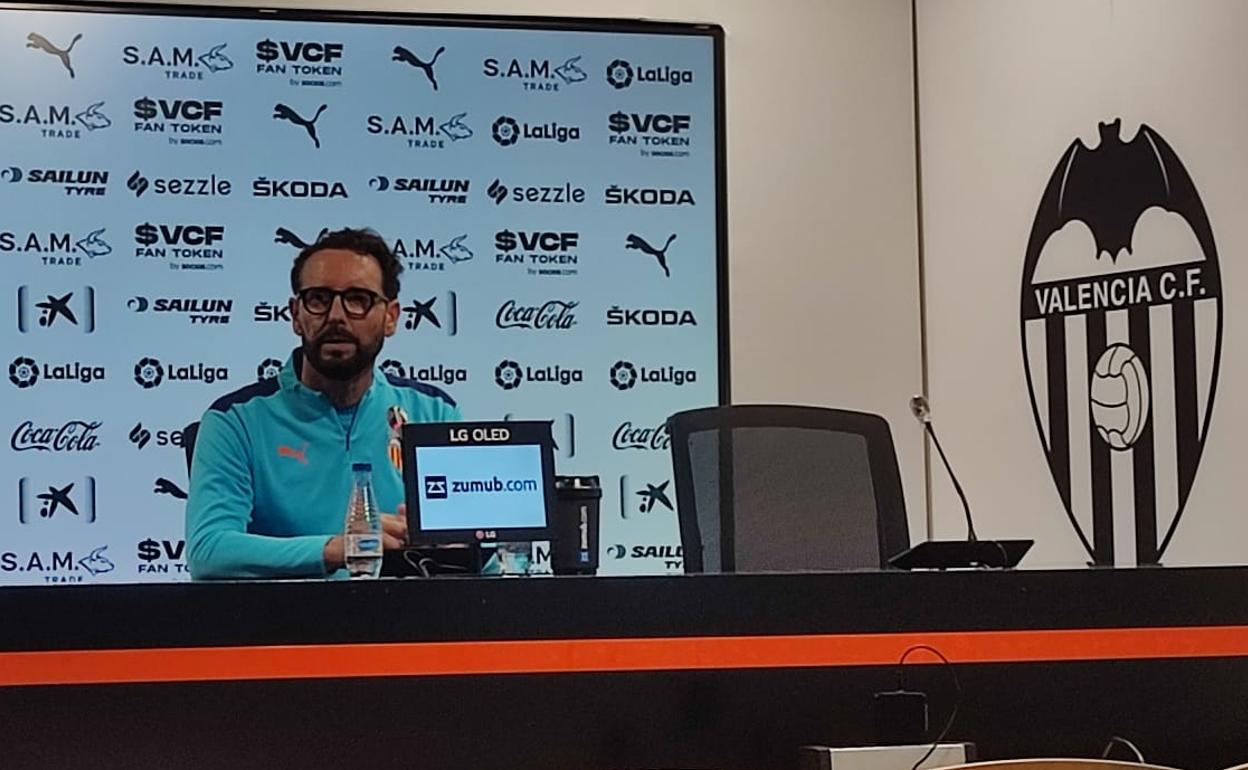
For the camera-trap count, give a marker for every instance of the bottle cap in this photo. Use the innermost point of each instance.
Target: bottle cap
(357, 467)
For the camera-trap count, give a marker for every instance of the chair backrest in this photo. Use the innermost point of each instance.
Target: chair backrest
(774, 488)
(188, 444)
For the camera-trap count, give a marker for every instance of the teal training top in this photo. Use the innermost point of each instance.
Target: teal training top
(272, 470)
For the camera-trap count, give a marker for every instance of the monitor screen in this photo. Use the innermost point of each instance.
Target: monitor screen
(481, 487)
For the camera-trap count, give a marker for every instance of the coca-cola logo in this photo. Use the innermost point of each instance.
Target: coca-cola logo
(73, 436)
(628, 437)
(553, 314)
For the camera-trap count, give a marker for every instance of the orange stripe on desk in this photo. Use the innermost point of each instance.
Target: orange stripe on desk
(565, 656)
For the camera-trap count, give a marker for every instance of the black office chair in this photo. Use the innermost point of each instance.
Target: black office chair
(783, 488)
(188, 444)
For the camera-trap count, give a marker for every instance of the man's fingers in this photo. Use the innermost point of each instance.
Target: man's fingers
(394, 525)
(390, 542)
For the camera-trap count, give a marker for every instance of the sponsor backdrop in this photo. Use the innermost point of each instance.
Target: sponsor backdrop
(551, 193)
(1083, 235)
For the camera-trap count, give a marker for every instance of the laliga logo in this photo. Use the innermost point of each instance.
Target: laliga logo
(506, 131)
(623, 375)
(1121, 328)
(149, 373)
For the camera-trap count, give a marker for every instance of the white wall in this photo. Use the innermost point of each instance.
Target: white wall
(1004, 88)
(821, 190)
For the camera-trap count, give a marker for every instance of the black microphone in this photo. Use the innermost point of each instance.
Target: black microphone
(922, 412)
(955, 554)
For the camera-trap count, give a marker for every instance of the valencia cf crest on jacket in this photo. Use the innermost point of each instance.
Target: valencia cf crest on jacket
(1121, 329)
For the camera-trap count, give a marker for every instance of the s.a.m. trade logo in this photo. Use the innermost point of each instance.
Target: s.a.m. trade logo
(1122, 334)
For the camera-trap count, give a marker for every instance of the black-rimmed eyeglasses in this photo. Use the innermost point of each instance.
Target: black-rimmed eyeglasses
(356, 303)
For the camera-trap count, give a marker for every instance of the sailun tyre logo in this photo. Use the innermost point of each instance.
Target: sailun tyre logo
(1121, 330)
(149, 373)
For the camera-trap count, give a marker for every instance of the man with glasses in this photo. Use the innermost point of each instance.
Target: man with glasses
(272, 464)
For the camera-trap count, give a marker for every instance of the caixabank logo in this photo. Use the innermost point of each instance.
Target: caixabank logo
(74, 182)
(436, 314)
(1121, 326)
(66, 310)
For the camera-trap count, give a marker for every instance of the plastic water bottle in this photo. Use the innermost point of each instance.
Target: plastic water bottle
(362, 543)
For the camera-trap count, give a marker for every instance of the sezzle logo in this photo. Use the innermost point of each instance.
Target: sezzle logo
(314, 61)
(56, 248)
(625, 375)
(161, 557)
(297, 188)
(75, 182)
(25, 372)
(191, 247)
(208, 186)
(507, 131)
(419, 312)
(552, 315)
(59, 498)
(421, 132)
(284, 112)
(536, 74)
(425, 254)
(647, 196)
(441, 373)
(1121, 323)
(41, 43)
(55, 121)
(150, 373)
(198, 311)
(72, 436)
(401, 54)
(658, 135)
(57, 311)
(542, 252)
(618, 316)
(622, 74)
(444, 191)
(627, 437)
(549, 195)
(180, 116)
(141, 437)
(509, 375)
(266, 312)
(58, 566)
(268, 369)
(179, 63)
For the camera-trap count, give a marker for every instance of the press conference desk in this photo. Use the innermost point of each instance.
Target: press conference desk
(692, 671)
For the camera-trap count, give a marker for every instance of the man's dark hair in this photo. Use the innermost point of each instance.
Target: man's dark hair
(361, 241)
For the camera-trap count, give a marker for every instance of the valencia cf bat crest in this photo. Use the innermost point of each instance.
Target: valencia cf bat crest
(1121, 329)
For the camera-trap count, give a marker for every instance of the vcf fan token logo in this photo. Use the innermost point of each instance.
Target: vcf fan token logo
(1121, 328)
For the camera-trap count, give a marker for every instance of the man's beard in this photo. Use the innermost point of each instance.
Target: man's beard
(339, 368)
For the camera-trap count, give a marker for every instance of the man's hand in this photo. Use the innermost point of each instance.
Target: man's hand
(393, 537)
